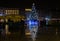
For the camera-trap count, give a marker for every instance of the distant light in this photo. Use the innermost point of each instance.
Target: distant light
(1, 14)
(28, 9)
(47, 18)
(33, 4)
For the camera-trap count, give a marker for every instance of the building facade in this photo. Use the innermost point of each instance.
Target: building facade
(11, 13)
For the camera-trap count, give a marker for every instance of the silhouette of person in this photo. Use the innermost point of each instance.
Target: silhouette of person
(10, 25)
(22, 28)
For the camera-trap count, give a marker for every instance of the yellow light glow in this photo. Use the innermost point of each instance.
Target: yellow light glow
(12, 11)
(28, 33)
(28, 9)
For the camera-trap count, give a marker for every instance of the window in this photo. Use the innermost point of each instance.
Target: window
(12, 11)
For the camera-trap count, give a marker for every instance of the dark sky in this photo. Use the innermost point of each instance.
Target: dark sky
(28, 3)
(45, 6)
(40, 4)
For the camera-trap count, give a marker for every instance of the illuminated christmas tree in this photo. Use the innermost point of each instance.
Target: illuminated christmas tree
(33, 22)
(33, 14)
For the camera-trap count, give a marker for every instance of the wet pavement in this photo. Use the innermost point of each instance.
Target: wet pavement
(41, 36)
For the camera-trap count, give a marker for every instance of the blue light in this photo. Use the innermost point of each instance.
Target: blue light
(33, 22)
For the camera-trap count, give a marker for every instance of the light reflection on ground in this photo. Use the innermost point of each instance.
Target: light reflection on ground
(41, 36)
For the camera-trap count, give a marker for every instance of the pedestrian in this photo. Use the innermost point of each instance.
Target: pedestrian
(22, 23)
(10, 24)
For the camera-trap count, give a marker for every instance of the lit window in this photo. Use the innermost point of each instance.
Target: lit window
(12, 11)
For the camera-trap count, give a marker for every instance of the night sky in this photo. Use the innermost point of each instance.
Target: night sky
(45, 6)
(28, 3)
